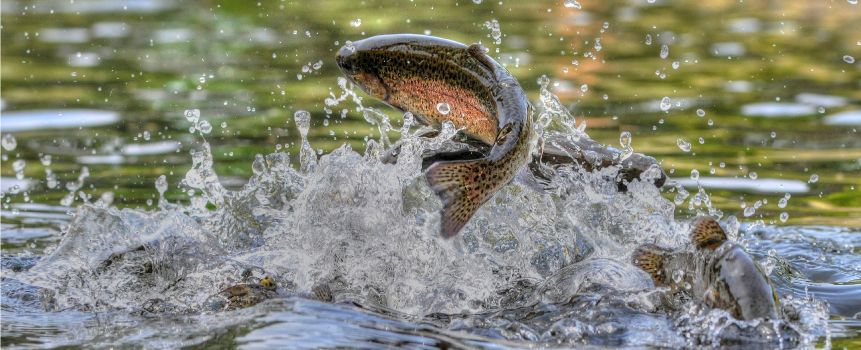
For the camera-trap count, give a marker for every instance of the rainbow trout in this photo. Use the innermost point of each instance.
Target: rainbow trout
(719, 273)
(440, 80)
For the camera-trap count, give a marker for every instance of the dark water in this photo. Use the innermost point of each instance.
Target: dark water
(762, 99)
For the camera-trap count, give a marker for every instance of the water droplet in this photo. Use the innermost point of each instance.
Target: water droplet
(259, 165)
(813, 179)
(665, 51)
(224, 125)
(701, 113)
(573, 4)
(625, 141)
(665, 104)
(356, 23)
(678, 275)
(584, 88)
(781, 203)
(476, 1)
(752, 175)
(147, 135)
(204, 126)
(784, 216)
(45, 159)
(495, 31)
(303, 122)
(443, 108)
(773, 134)
(161, 185)
(683, 144)
(695, 174)
(749, 211)
(9, 143)
(192, 115)
(648, 39)
(848, 59)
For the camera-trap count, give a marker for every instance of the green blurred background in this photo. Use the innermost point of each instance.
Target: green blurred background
(762, 90)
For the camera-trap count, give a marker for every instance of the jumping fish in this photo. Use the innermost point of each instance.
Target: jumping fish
(441, 80)
(718, 272)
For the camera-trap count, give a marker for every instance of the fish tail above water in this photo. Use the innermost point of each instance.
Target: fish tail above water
(651, 258)
(463, 186)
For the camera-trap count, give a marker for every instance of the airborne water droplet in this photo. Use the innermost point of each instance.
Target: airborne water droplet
(683, 144)
(204, 126)
(784, 216)
(625, 142)
(695, 174)
(303, 122)
(9, 142)
(192, 115)
(665, 104)
(665, 51)
(443, 108)
(572, 4)
(848, 59)
(813, 179)
(701, 113)
(161, 185)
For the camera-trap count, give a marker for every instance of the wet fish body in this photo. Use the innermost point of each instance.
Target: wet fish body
(441, 80)
(718, 272)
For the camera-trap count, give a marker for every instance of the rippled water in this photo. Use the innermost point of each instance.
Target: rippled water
(155, 154)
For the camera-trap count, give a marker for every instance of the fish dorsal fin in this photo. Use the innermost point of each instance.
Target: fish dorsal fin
(477, 52)
(707, 233)
(651, 258)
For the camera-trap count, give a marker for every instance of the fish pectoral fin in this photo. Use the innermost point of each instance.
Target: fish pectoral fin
(462, 186)
(651, 258)
(707, 233)
(464, 154)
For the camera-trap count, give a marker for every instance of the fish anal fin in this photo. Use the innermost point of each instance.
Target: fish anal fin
(461, 188)
(707, 233)
(651, 258)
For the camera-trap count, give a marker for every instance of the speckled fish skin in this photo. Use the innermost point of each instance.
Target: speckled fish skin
(416, 73)
(719, 272)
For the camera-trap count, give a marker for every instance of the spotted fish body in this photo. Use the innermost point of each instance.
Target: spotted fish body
(719, 272)
(441, 80)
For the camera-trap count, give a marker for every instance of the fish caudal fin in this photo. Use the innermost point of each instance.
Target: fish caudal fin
(707, 233)
(650, 258)
(463, 187)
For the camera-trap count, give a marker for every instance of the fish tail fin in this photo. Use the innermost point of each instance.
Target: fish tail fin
(462, 186)
(707, 233)
(650, 258)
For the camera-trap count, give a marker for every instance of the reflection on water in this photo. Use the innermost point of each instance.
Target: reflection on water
(94, 91)
(45, 119)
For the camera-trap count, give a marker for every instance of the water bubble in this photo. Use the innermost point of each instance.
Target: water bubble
(784, 216)
(204, 126)
(303, 122)
(701, 113)
(584, 88)
(848, 59)
(676, 64)
(752, 175)
(625, 142)
(192, 115)
(443, 108)
(683, 144)
(813, 179)
(147, 135)
(356, 23)
(9, 143)
(695, 174)
(701, 140)
(665, 51)
(749, 211)
(773, 134)
(665, 104)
